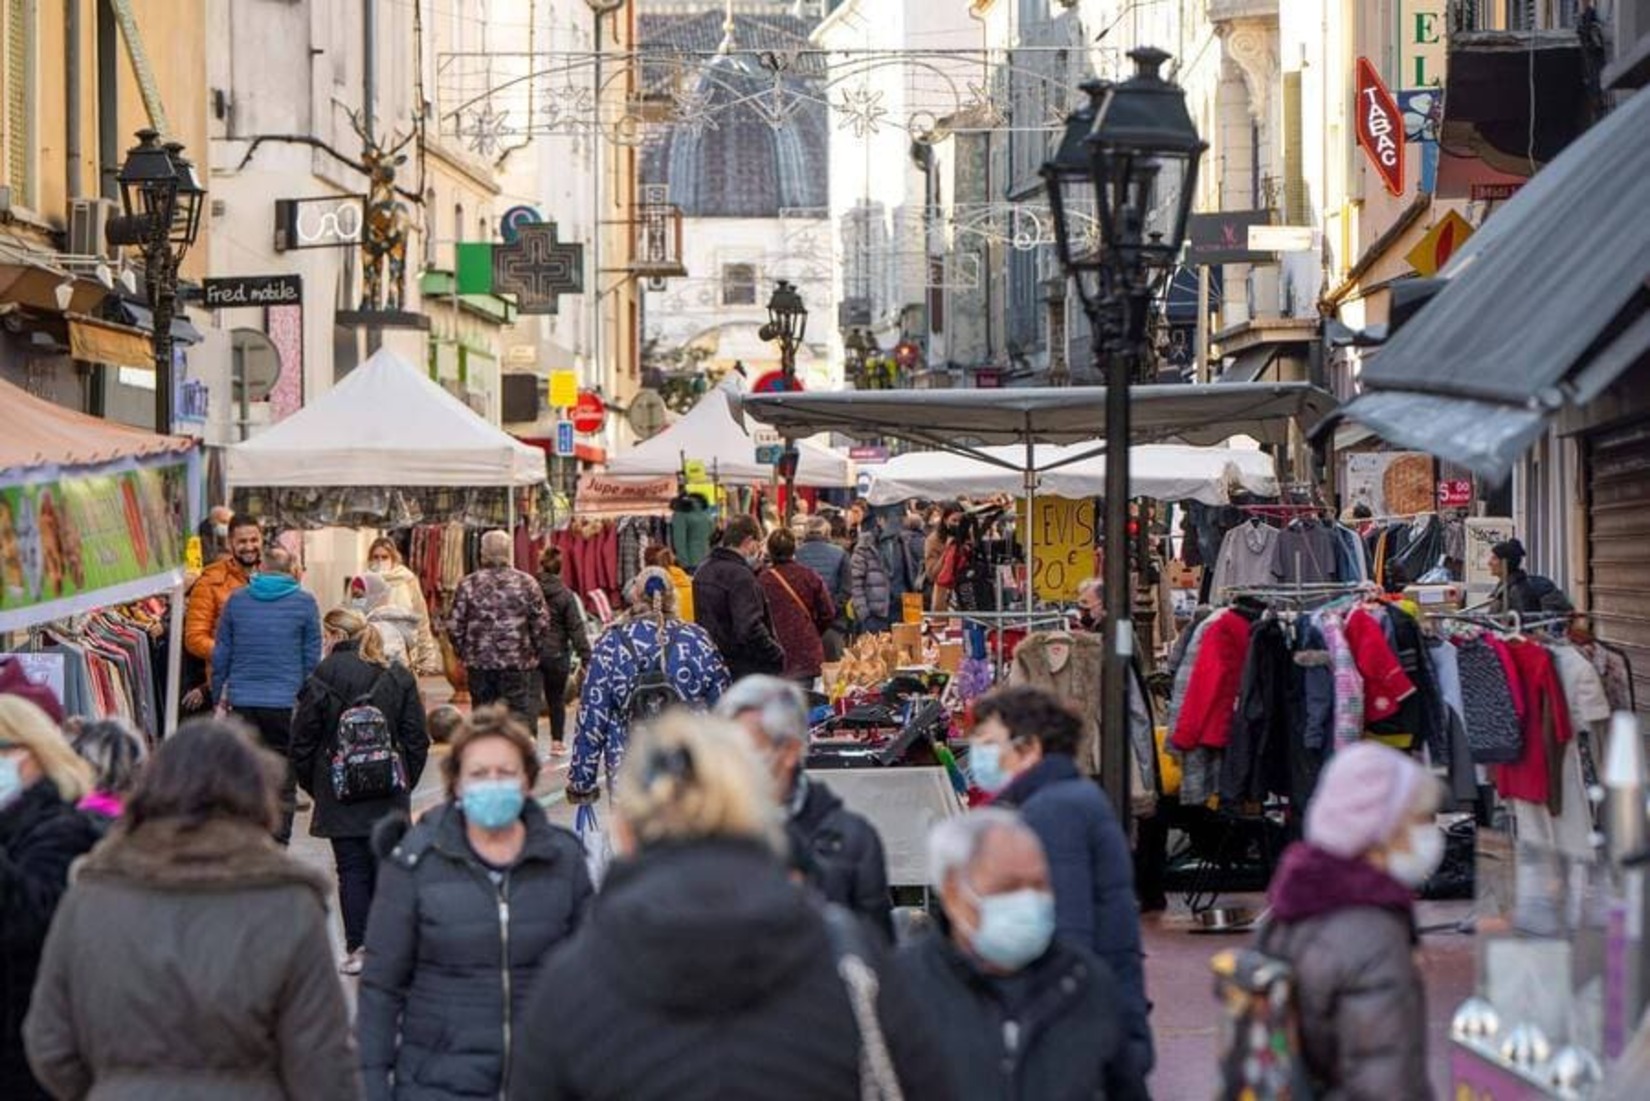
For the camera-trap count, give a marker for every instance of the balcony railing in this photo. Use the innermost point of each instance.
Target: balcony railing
(1513, 15)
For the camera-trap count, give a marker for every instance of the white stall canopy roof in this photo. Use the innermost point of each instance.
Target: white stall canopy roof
(967, 419)
(1167, 472)
(385, 424)
(710, 433)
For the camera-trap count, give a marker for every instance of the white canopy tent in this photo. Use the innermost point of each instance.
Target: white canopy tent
(710, 433)
(385, 424)
(1165, 471)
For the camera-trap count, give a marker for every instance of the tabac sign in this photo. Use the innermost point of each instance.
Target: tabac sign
(1380, 127)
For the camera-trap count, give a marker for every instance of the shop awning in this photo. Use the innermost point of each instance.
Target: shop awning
(183, 330)
(952, 420)
(1541, 309)
(41, 433)
(104, 342)
(1165, 471)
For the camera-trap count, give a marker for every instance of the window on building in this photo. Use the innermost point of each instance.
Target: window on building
(18, 29)
(738, 284)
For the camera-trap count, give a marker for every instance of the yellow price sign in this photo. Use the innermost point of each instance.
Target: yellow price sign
(564, 389)
(1061, 538)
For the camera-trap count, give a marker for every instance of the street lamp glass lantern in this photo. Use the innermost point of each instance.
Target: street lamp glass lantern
(191, 196)
(1144, 154)
(1072, 199)
(148, 179)
(787, 316)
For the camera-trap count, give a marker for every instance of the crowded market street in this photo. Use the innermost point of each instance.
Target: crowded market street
(849, 550)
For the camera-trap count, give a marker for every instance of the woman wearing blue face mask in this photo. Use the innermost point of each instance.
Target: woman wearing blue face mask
(469, 900)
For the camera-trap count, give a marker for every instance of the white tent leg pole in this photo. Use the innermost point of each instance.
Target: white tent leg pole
(1031, 528)
(174, 660)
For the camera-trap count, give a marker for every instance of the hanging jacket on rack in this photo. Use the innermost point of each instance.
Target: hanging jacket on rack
(1266, 750)
(1386, 685)
(1205, 718)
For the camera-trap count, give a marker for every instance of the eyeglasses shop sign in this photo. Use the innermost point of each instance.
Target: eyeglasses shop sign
(253, 290)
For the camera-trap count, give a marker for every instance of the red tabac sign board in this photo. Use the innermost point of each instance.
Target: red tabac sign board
(1380, 127)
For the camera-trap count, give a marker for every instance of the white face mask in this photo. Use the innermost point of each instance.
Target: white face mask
(1426, 852)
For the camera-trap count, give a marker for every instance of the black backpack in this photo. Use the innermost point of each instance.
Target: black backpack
(365, 764)
(654, 692)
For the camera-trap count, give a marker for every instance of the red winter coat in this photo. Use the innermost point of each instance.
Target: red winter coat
(800, 613)
(1211, 696)
(1386, 685)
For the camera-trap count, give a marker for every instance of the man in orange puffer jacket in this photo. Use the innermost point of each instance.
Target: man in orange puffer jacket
(215, 585)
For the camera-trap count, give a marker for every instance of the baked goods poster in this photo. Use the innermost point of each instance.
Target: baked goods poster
(90, 531)
(1391, 483)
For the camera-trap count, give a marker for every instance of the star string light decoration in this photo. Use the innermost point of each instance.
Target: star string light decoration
(486, 130)
(693, 109)
(979, 107)
(862, 110)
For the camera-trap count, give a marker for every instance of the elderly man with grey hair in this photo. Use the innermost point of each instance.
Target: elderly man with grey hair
(840, 850)
(499, 624)
(1025, 1016)
(267, 644)
(820, 554)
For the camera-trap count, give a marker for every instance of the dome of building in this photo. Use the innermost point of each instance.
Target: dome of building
(750, 145)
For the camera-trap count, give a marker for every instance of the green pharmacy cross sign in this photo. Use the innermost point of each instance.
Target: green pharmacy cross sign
(536, 268)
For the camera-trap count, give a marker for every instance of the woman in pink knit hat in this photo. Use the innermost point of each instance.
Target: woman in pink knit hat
(1342, 913)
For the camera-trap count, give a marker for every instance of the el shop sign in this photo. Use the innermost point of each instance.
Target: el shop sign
(1380, 127)
(253, 290)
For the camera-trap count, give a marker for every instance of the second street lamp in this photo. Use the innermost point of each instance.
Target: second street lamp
(161, 195)
(787, 322)
(1141, 174)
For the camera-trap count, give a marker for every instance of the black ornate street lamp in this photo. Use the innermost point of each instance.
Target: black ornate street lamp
(1120, 188)
(162, 198)
(787, 321)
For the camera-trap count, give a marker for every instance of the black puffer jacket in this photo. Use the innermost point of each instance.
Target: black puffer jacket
(439, 1007)
(567, 634)
(40, 836)
(1067, 1043)
(703, 974)
(729, 604)
(846, 855)
(337, 683)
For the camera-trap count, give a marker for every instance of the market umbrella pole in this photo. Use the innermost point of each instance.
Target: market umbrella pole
(1029, 538)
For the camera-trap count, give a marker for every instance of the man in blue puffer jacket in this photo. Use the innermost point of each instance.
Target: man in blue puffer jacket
(268, 643)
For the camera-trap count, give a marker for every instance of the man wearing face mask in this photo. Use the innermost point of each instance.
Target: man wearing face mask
(1026, 1016)
(1091, 604)
(842, 848)
(217, 583)
(1343, 915)
(1022, 751)
(729, 604)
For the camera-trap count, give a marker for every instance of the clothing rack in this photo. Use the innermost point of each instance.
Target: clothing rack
(1283, 512)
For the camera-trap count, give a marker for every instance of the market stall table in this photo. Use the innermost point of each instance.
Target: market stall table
(903, 803)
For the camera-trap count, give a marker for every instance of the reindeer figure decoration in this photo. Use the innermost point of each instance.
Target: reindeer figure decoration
(386, 222)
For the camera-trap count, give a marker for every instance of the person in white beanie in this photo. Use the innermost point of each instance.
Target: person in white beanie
(1342, 914)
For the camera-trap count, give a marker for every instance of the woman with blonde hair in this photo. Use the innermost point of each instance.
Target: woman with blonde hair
(41, 834)
(406, 596)
(702, 970)
(381, 698)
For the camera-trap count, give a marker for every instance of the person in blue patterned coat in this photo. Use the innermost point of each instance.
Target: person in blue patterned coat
(623, 652)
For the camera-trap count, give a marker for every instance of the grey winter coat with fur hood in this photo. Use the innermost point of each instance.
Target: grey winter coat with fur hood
(187, 965)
